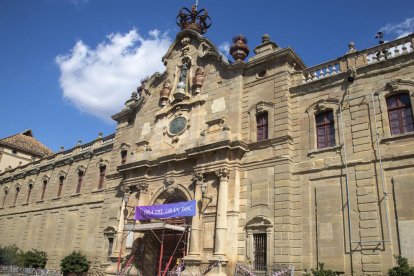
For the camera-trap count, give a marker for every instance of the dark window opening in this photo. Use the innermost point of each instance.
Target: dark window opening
(61, 179)
(110, 245)
(325, 129)
(29, 192)
(4, 199)
(260, 249)
(400, 114)
(123, 156)
(16, 196)
(102, 171)
(43, 190)
(262, 126)
(80, 179)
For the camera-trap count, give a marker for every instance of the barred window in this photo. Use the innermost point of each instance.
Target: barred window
(325, 129)
(260, 249)
(400, 114)
(262, 126)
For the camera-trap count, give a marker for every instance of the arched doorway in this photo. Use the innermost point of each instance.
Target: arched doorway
(155, 257)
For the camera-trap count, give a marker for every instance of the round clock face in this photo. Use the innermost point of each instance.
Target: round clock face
(177, 126)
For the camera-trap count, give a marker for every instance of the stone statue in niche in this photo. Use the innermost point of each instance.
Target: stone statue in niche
(198, 79)
(165, 93)
(182, 82)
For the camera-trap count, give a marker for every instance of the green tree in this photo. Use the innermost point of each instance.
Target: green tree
(34, 258)
(10, 255)
(402, 269)
(320, 271)
(74, 262)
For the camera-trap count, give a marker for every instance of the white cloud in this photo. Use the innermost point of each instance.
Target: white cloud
(401, 29)
(224, 47)
(98, 81)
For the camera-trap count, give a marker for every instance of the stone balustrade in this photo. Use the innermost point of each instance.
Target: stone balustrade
(390, 49)
(321, 71)
(364, 57)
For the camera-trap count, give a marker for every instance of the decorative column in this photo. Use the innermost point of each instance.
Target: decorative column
(221, 222)
(119, 246)
(193, 260)
(219, 254)
(196, 220)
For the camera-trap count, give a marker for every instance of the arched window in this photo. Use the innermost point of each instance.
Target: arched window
(80, 179)
(124, 154)
(262, 126)
(61, 179)
(16, 195)
(400, 114)
(43, 189)
(4, 198)
(102, 171)
(29, 191)
(325, 129)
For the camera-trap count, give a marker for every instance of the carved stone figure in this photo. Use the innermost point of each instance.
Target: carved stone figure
(198, 79)
(165, 93)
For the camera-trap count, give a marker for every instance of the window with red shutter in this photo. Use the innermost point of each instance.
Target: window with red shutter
(262, 126)
(400, 114)
(325, 129)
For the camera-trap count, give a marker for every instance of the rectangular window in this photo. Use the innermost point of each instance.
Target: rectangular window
(102, 171)
(400, 114)
(262, 126)
(325, 129)
(260, 249)
(80, 178)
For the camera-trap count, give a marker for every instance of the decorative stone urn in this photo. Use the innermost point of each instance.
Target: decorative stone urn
(198, 79)
(239, 50)
(165, 93)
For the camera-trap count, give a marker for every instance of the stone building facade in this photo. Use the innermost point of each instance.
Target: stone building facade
(289, 165)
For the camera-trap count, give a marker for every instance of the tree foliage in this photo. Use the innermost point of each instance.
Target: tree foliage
(10, 255)
(321, 271)
(34, 258)
(402, 268)
(74, 262)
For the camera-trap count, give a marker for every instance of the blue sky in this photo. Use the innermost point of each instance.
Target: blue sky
(66, 65)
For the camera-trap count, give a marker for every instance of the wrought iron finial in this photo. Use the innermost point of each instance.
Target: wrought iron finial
(194, 19)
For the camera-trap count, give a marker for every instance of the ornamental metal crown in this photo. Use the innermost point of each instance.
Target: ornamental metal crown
(194, 19)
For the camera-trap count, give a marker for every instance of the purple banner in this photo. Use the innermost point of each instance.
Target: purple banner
(172, 210)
